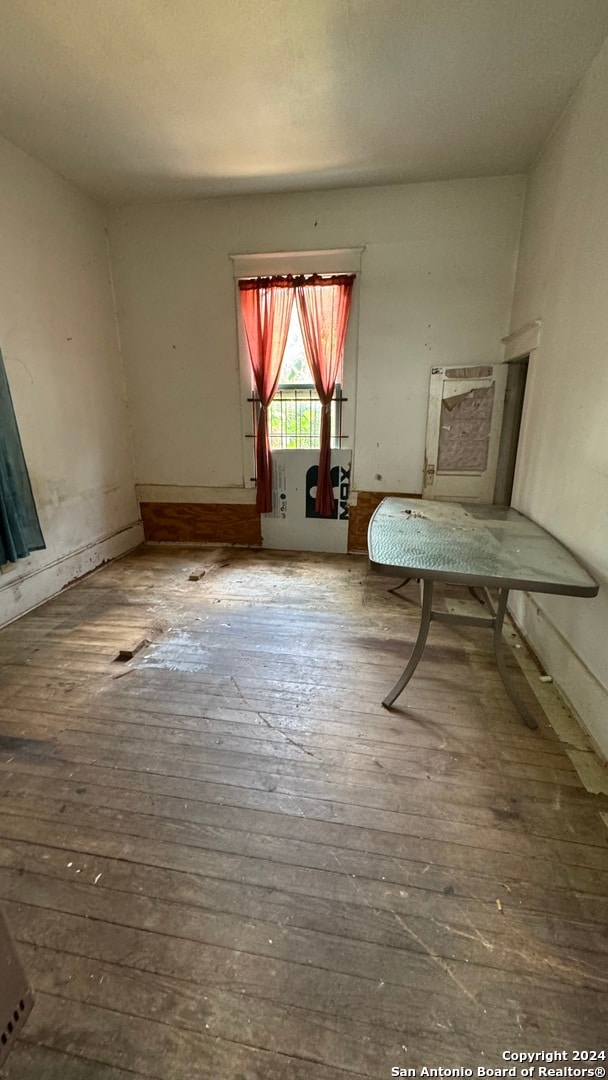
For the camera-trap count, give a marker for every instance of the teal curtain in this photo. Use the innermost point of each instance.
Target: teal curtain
(20, 530)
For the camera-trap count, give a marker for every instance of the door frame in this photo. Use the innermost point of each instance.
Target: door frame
(519, 344)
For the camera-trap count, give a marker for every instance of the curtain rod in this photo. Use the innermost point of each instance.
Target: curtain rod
(296, 254)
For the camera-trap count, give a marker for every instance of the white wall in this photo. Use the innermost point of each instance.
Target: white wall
(436, 286)
(562, 474)
(58, 337)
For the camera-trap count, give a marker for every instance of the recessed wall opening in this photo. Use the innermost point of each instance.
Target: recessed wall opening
(511, 425)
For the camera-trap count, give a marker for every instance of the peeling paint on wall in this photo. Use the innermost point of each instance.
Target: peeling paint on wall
(466, 423)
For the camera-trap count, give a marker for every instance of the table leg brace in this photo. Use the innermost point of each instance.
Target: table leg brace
(495, 624)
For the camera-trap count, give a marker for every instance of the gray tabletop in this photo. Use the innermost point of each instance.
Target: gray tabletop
(469, 544)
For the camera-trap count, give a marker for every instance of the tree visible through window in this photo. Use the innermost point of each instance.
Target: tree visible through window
(294, 416)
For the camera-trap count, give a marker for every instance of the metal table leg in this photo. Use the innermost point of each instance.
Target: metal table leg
(477, 594)
(425, 622)
(503, 596)
(494, 623)
(395, 588)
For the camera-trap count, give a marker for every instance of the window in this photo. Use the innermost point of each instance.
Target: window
(294, 416)
(296, 380)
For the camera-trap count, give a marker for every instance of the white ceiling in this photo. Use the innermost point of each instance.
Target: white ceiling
(133, 99)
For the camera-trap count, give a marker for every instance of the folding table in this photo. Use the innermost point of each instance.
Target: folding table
(482, 547)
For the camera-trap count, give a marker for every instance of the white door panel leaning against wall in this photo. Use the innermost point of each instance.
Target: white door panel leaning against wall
(463, 432)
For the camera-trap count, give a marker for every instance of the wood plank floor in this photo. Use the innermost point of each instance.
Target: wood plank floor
(224, 859)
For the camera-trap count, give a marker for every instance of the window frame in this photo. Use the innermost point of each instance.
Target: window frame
(329, 261)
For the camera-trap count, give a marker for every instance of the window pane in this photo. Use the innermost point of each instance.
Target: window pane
(294, 420)
(294, 417)
(295, 370)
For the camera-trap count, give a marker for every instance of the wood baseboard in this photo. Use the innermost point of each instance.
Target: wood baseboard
(359, 515)
(239, 523)
(190, 523)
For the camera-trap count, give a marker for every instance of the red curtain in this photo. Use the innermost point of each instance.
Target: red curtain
(266, 305)
(324, 307)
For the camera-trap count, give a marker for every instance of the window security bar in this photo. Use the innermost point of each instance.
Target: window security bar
(294, 419)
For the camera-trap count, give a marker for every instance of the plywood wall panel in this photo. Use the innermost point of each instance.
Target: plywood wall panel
(221, 523)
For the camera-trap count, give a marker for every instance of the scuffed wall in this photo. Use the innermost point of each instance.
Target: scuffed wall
(562, 470)
(59, 341)
(435, 288)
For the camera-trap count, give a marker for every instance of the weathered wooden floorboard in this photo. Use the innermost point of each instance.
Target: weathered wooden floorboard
(291, 755)
(399, 731)
(243, 1018)
(29, 1061)
(406, 863)
(406, 1010)
(464, 930)
(505, 812)
(156, 1049)
(224, 858)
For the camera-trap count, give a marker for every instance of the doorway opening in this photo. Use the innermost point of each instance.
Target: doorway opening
(511, 424)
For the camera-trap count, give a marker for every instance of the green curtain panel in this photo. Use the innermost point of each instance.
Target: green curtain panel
(20, 530)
